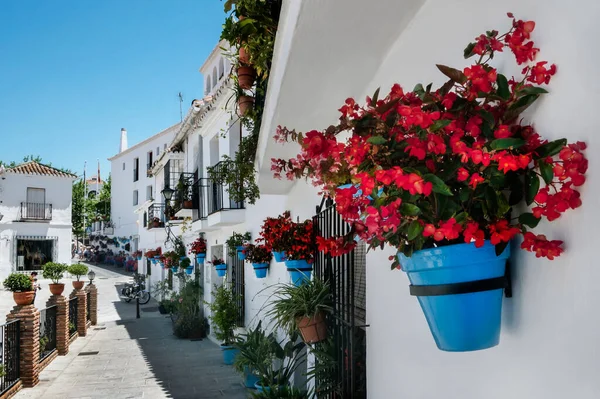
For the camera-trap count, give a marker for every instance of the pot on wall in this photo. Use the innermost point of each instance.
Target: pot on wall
(240, 252)
(221, 269)
(200, 258)
(189, 270)
(312, 329)
(300, 271)
(78, 285)
(460, 289)
(246, 77)
(245, 105)
(56, 289)
(188, 204)
(24, 297)
(243, 55)
(260, 269)
(279, 256)
(155, 224)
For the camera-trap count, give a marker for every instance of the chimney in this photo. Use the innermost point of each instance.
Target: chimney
(123, 145)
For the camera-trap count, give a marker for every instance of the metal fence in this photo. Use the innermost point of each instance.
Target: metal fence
(47, 331)
(10, 354)
(344, 370)
(237, 283)
(88, 306)
(36, 211)
(73, 316)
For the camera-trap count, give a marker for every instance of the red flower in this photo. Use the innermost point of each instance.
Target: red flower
(481, 79)
(502, 132)
(416, 148)
(473, 126)
(502, 232)
(541, 246)
(475, 180)
(349, 108)
(463, 174)
(539, 74)
(316, 144)
(474, 233)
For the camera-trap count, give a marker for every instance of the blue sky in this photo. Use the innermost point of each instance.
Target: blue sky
(74, 72)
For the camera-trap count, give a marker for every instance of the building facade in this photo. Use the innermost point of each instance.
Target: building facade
(35, 226)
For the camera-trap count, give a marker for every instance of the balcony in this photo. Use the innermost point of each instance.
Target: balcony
(156, 216)
(183, 196)
(213, 206)
(31, 211)
(103, 228)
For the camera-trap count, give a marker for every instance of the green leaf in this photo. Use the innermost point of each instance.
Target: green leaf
(419, 90)
(452, 73)
(414, 230)
(529, 220)
(546, 171)
(550, 149)
(438, 184)
(437, 125)
(377, 140)
(461, 217)
(533, 90)
(524, 101)
(532, 183)
(487, 116)
(503, 144)
(375, 96)
(468, 52)
(408, 209)
(503, 90)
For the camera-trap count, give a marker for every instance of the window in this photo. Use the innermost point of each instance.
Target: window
(148, 193)
(135, 197)
(221, 68)
(165, 147)
(157, 151)
(123, 165)
(149, 160)
(207, 86)
(145, 220)
(136, 169)
(215, 77)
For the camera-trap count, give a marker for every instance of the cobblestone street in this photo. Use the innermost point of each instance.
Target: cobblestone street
(125, 357)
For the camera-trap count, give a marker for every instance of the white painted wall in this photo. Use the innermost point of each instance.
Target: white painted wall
(13, 191)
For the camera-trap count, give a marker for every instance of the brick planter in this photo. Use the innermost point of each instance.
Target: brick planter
(29, 324)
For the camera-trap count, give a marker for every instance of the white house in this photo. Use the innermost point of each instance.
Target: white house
(35, 221)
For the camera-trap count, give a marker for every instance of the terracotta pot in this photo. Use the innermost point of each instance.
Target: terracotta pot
(244, 56)
(155, 224)
(313, 329)
(23, 298)
(188, 204)
(246, 77)
(78, 284)
(245, 105)
(56, 289)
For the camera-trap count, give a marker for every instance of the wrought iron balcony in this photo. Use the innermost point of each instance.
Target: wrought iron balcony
(36, 211)
(182, 198)
(156, 216)
(210, 197)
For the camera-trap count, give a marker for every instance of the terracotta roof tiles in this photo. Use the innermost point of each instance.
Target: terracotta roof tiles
(35, 168)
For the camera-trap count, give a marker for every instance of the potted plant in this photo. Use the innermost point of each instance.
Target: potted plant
(275, 234)
(171, 259)
(275, 376)
(161, 290)
(260, 257)
(280, 392)
(137, 254)
(246, 76)
(256, 352)
(303, 307)
(21, 287)
(157, 254)
(78, 270)
(54, 271)
(198, 248)
(461, 174)
(186, 264)
(224, 316)
(235, 244)
(220, 266)
(299, 250)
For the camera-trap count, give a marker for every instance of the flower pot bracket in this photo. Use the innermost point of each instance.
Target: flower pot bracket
(504, 282)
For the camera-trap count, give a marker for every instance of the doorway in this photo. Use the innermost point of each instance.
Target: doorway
(32, 254)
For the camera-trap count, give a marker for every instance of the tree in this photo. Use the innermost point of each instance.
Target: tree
(77, 208)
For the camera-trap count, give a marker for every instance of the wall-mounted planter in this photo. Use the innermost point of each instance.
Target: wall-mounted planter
(260, 269)
(460, 289)
(279, 256)
(200, 258)
(300, 271)
(189, 270)
(174, 269)
(312, 329)
(240, 252)
(139, 257)
(246, 77)
(221, 269)
(155, 260)
(229, 354)
(245, 105)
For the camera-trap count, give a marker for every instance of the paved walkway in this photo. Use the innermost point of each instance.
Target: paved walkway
(124, 357)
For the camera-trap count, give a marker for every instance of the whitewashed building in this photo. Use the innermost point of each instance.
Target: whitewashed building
(35, 217)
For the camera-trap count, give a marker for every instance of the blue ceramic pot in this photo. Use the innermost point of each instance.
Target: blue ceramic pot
(249, 378)
(189, 269)
(260, 388)
(174, 269)
(241, 255)
(200, 258)
(139, 257)
(221, 269)
(300, 271)
(279, 256)
(229, 354)
(155, 259)
(260, 269)
(466, 321)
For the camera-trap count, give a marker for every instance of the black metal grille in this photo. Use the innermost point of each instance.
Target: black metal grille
(156, 215)
(88, 305)
(237, 283)
(217, 193)
(47, 331)
(346, 375)
(184, 191)
(10, 348)
(73, 316)
(35, 211)
(199, 199)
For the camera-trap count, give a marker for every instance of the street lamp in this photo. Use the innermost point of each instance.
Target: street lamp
(91, 276)
(168, 192)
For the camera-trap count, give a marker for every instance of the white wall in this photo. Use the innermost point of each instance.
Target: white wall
(549, 347)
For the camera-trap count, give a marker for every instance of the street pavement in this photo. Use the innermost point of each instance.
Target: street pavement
(125, 357)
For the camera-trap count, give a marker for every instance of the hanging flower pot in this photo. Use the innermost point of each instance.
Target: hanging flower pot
(313, 329)
(460, 290)
(189, 270)
(243, 56)
(240, 252)
(221, 269)
(246, 77)
(245, 105)
(155, 259)
(300, 270)
(200, 258)
(279, 256)
(260, 269)
(139, 257)
(188, 204)
(174, 269)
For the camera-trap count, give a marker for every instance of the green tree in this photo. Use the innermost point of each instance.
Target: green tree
(78, 206)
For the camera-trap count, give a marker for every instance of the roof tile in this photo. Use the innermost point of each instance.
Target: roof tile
(35, 168)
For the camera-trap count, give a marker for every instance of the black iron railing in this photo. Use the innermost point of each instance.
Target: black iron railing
(345, 369)
(199, 201)
(88, 306)
(47, 331)
(73, 316)
(10, 349)
(156, 216)
(36, 211)
(237, 284)
(172, 171)
(218, 193)
(183, 192)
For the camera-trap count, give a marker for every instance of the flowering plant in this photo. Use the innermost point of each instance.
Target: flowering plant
(150, 253)
(217, 261)
(275, 232)
(198, 246)
(137, 253)
(236, 240)
(438, 167)
(171, 258)
(257, 253)
(300, 242)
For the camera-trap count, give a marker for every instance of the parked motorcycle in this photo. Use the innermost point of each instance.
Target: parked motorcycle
(137, 288)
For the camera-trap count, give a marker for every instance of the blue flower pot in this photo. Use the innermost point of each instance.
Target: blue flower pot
(465, 321)
(174, 269)
(189, 269)
(241, 255)
(139, 257)
(300, 271)
(260, 388)
(279, 256)
(250, 379)
(200, 258)
(155, 259)
(260, 269)
(182, 257)
(221, 269)
(229, 354)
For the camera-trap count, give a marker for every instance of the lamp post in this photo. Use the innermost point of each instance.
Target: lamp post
(167, 192)
(91, 275)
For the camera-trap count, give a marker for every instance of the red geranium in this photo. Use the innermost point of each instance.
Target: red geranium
(198, 246)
